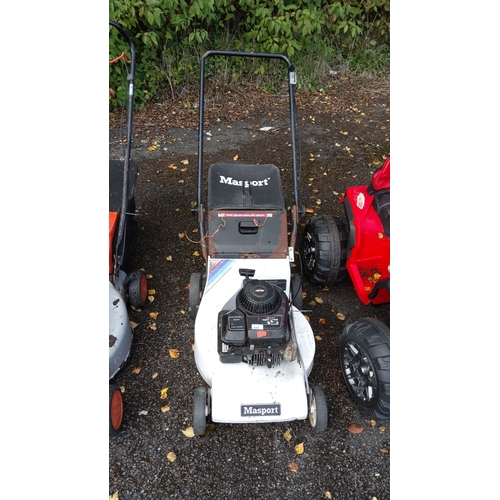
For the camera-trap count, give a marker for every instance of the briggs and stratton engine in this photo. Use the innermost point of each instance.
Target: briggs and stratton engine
(257, 331)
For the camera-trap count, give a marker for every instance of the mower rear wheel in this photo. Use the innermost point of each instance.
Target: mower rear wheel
(324, 248)
(194, 294)
(364, 352)
(318, 409)
(200, 410)
(296, 292)
(115, 409)
(138, 288)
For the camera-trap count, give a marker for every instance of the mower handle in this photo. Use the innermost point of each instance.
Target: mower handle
(121, 221)
(292, 79)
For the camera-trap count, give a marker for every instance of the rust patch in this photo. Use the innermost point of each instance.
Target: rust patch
(112, 340)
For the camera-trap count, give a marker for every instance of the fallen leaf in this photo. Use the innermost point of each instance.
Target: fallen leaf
(299, 449)
(373, 423)
(319, 300)
(355, 429)
(114, 496)
(149, 276)
(163, 393)
(151, 292)
(152, 326)
(182, 311)
(196, 253)
(165, 408)
(181, 235)
(185, 162)
(172, 166)
(171, 457)
(153, 315)
(235, 158)
(287, 435)
(384, 450)
(340, 316)
(169, 257)
(328, 494)
(151, 298)
(133, 324)
(174, 353)
(293, 466)
(318, 337)
(155, 375)
(382, 428)
(189, 432)
(309, 210)
(137, 371)
(322, 321)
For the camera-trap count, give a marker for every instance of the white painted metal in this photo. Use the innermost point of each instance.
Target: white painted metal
(236, 384)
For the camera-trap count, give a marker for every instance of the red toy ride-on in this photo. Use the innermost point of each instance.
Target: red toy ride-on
(362, 250)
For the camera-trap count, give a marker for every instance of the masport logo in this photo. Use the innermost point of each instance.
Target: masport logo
(234, 182)
(260, 410)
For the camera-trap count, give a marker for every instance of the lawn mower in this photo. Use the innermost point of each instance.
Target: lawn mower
(252, 345)
(124, 287)
(331, 251)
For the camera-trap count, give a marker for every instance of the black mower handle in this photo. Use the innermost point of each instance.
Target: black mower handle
(291, 82)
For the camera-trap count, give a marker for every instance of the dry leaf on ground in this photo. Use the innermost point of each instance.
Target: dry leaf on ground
(355, 429)
(299, 449)
(171, 456)
(293, 466)
(189, 432)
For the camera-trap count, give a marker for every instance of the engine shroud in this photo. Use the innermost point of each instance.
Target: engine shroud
(257, 330)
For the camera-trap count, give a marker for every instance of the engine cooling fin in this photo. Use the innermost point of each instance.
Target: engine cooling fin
(258, 297)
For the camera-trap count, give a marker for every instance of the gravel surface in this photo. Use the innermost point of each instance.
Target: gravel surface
(343, 138)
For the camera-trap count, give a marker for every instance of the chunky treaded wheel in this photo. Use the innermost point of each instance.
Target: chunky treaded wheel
(364, 352)
(296, 292)
(138, 288)
(324, 248)
(318, 410)
(200, 410)
(115, 409)
(194, 294)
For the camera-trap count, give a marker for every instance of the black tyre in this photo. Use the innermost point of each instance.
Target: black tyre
(200, 410)
(364, 352)
(194, 294)
(296, 292)
(318, 409)
(138, 288)
(115, 409)
(324, 249)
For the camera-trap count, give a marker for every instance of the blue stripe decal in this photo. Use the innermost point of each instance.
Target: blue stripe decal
(217, 272)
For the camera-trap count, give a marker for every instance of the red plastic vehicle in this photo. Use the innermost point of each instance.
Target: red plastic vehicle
(331, 250)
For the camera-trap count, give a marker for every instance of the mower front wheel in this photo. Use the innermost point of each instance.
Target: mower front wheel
(115, 409)
(201, 410)
(364, 352)
(324, 249)
(318, 409)
(138, 288)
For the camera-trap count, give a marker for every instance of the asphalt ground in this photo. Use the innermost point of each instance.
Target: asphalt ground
(151, 457)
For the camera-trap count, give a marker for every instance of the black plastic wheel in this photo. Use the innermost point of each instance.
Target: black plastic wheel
(200, 410)
(194, 294)
(138, 288)
(115, 409)
(324, 249)
(296, 292)
(364, 351)
(318, 409)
